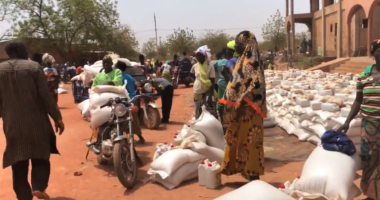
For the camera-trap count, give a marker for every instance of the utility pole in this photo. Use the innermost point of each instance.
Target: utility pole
(155, 28)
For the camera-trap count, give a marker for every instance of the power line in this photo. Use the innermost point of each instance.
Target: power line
(203, 29)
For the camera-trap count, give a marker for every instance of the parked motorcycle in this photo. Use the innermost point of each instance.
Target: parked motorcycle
(65, 77)
(148, 109)
(182, 74)
(112, 144)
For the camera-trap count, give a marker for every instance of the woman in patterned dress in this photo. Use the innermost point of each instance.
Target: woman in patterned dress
(368, 103)
(245, 108)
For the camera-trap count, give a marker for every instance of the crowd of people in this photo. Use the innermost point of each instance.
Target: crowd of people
(233, 87)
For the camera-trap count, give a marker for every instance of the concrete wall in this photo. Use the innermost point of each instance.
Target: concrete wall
(353, 39)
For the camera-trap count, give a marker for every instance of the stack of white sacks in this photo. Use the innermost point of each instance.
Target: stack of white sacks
(326, 175)
(308, 103)
(174, 163)
(99, 96)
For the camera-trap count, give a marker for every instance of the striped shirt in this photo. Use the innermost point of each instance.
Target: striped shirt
(370, 106)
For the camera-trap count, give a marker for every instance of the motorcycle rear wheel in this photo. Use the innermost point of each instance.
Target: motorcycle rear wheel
(154, 119)
(124, 165)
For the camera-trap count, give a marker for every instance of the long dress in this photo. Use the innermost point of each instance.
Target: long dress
(245, 95)
(370, 134)
(25, 107)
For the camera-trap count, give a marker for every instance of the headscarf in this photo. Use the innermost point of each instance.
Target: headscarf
(203, 67)
(231, 45)
(248, 82)
(375, 45)
(205, 51)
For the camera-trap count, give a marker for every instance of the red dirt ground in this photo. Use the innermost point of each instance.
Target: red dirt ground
(284, 159)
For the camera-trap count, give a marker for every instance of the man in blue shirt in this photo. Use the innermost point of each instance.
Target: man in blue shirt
(122, 66)
(126, 78)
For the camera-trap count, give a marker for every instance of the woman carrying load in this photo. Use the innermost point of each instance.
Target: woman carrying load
(368, 103)
(245, 109)
(203, 87)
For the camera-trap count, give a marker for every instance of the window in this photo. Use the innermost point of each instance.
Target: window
(365, 23)
(331, 28)
(336, 29)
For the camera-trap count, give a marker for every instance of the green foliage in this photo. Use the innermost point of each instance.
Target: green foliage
(275, 30)
(182, 40)
(162, 51)
(9, 14)
(215, 40)
(305, 62)
(150, 48)
(85, 25)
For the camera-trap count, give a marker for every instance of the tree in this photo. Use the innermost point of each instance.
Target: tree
(182, 40)
(215, 40)
(149, 48)
(275, 30)
(162, 51)
(299, 37)
(8, 13)
(85, 25)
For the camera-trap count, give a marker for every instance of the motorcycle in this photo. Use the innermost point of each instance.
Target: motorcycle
(112, 144)
(148, 109)
(182, 74)
(65, 77)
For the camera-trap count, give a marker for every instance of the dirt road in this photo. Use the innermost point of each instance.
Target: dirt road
(284, 159)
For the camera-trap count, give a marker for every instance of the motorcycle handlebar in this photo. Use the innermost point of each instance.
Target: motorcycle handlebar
(109, 103)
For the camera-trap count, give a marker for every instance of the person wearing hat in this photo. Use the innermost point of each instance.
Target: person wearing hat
(367, 101)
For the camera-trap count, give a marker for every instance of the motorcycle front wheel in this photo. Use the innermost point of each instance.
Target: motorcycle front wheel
(125, 168)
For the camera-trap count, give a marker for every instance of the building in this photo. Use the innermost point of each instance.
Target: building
(340, 28)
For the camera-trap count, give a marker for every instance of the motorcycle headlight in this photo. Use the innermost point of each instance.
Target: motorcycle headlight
(120, 110)
(148, 87)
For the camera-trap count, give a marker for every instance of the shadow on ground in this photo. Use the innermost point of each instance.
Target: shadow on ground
(281, 149)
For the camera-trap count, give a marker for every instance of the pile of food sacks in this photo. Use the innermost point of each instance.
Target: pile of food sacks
(308, 103)
(99, 96)
(178, 162)
(326, 175)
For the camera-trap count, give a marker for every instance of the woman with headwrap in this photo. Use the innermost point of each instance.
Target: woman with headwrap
(367, 101)
(245, 109)
(52, 75)
(166, 71)
(203, 87)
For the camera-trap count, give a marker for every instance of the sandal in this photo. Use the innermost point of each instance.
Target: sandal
(40, 195)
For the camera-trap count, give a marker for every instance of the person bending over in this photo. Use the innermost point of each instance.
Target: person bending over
(166, 90)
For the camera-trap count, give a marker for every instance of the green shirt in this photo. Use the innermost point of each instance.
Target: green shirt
(115, 76)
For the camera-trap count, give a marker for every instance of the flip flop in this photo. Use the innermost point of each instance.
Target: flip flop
(40, 195)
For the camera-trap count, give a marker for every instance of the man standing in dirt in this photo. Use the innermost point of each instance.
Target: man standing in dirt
(25, 107)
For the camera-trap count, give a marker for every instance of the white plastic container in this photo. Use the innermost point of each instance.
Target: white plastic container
(316, 105)
(202, 173)
(213, 175)
(303, 102)
(325, 92)
(160, 149)
(344, 112)
(171, 146)
(177, 140)
(329, 107)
